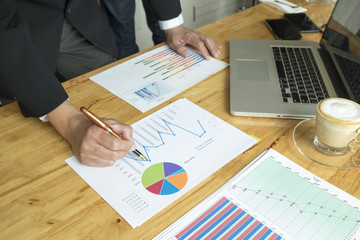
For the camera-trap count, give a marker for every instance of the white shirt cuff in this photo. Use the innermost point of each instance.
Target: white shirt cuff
(44, 119)
(164, 25)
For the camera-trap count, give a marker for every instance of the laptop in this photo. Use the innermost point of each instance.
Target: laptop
(287, 78)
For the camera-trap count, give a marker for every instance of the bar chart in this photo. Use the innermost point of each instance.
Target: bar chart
(271, 198)
(151, 78)
(168, 63)
(225, 220)
(176, 140)
(151, 138)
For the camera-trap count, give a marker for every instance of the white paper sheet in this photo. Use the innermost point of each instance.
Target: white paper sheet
(272, 198)
(182, 138)
(154, 77)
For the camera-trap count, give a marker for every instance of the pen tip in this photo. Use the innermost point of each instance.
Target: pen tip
(143, 157)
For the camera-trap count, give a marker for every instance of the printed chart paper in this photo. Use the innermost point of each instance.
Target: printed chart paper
(154, 77)
(184, 143)
(272, 198)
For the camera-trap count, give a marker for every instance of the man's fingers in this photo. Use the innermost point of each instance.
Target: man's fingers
(179, 36)
(113, 144)
(179, 48)
(99, 146)
(95, 161)
(122, 129)
(206, 45)
(202, 49)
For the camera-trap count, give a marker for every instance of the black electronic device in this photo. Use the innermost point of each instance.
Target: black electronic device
(302, 22)
(283, 29)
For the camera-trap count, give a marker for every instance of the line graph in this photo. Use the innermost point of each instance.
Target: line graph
(166, 131)
(152, 91)
(297, 205)
(272, 198)
(183, 141)
(301, 207)
(155, 76)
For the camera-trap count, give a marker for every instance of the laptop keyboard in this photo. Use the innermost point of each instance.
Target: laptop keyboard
(351, 71)
(299, 77)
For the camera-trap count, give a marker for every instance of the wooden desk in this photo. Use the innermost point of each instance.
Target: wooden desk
(41, 197)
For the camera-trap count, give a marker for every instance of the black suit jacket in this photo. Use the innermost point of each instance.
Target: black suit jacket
(30, 33)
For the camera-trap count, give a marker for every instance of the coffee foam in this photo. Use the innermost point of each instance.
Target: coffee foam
(341, 109)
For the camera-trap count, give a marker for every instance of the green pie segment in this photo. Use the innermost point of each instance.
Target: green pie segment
(153, 174)
(164, 178)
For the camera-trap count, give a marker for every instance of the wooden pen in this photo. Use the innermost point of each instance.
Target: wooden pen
(106, 127)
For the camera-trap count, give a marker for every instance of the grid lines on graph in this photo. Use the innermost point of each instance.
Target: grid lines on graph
(157, 134)
(152, 91)
(295, 204)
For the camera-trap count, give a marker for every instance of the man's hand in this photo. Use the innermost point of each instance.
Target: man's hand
(180, 36)
(92, 145)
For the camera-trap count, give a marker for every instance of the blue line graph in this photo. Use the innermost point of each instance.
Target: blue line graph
(301, 207)
(298, 206)
(169, 127)
(152, 91)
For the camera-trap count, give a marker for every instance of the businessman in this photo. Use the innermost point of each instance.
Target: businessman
(42, 39)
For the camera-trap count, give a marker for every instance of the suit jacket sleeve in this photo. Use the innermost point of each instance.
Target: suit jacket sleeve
(23, 72)
(166, 9)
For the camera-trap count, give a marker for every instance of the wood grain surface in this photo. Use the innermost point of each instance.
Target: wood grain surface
(41, 197)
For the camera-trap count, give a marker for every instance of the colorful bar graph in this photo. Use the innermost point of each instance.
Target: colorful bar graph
(225, 220)
(167, 61)
(156, 76)
(273, 198)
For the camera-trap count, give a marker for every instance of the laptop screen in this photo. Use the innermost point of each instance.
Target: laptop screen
(343, 28)
(343, 34)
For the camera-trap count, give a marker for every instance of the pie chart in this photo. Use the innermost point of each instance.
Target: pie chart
(164, 178)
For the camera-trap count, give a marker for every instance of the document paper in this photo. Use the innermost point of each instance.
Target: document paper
(272, 198)
(154, 77)
(184, 143)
